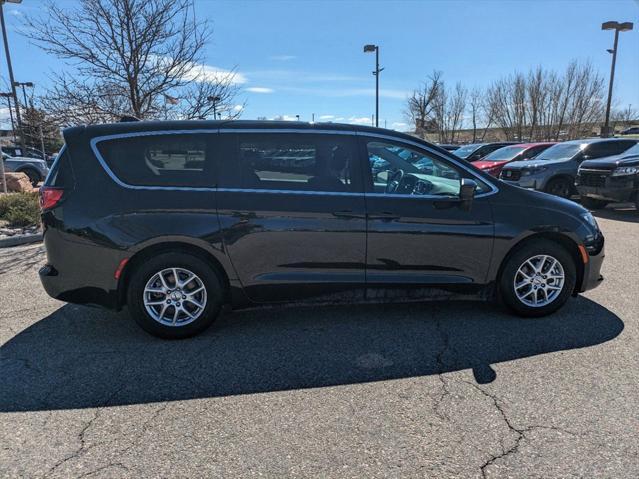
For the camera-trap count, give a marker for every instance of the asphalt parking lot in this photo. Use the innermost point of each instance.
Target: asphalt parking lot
(448, 389)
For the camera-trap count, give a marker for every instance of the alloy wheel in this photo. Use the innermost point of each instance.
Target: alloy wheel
(539, 281)
(175, 297)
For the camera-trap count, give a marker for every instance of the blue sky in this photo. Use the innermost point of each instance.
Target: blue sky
(304, 57)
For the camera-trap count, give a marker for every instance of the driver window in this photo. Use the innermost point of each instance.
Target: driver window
(401, 170)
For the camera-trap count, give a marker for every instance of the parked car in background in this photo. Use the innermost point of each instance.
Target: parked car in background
(35, 169)
(448, 147)
(554, 170)
(633, 130)
(27, 152)
(613, 178)
(476, 151)
(495, 161)
(175, 219)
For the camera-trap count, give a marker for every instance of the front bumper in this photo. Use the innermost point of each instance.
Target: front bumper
(614, 189)
(592, 270)
(530, 182)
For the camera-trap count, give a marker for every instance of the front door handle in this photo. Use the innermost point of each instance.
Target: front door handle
(347, 214)
(385, 216)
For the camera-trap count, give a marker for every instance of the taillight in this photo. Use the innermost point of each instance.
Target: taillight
(49, 197)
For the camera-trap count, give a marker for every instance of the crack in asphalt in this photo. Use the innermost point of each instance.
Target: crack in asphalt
(439, 359)
(80, 451)
(519, 432)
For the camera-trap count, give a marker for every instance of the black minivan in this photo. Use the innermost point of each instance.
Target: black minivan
(176, 219)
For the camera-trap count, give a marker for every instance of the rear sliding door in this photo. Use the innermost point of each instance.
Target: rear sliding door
(292, 214)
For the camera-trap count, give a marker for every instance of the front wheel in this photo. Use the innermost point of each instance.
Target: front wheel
(559, 187)
(538, 279)
(174, 295)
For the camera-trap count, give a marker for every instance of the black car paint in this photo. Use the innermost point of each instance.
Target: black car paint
(101, 229)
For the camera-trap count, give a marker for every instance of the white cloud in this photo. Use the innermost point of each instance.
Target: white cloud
(283, 58)
(202, 72)
(327, 117)
(398, 125)
(259, 89)
(209, 73)
(360, 120)
(238, 107)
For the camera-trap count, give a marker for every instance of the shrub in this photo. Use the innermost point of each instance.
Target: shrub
(20, 209)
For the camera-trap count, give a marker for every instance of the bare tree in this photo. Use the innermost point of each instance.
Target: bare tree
(131, 57)
(456, 109)
(421, 104)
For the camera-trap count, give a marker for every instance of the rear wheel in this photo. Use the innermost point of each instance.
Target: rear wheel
(538, 279)
(34, 176)
(174, 295)
(592, 203)
(559, 187)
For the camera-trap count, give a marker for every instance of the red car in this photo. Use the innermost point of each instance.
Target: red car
(495, 161)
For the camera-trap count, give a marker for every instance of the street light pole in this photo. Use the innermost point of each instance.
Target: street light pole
(378, 70)
(10, 68)
(617, 27)
(214, 100)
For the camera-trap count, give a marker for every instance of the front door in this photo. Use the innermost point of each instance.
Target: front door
(417, 232)
(292, 213)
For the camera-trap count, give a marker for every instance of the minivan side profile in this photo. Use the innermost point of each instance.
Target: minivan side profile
(173, 220)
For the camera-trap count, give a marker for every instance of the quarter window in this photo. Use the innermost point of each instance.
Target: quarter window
(159, 160)
(310, 162)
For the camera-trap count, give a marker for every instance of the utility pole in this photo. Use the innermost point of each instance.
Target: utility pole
(7, 95)
(11, 79)
(3, 179)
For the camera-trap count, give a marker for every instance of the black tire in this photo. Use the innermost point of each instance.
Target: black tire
(517, 259)
(34, 176)
(561, 187)
(593, 203)
(145, 271)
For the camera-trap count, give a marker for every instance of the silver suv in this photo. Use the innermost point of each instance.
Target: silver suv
(34, 168)
(554, 170)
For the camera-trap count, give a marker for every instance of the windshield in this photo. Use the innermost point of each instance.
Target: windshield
(465, 151)
(632, 151)
(561, 151)
(504, 154)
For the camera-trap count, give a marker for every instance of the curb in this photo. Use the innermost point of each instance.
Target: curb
(20, 239)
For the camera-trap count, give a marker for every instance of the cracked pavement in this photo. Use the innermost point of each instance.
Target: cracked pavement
(441, 389)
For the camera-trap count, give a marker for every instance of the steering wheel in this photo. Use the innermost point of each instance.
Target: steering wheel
(423, 187)
(394, 180)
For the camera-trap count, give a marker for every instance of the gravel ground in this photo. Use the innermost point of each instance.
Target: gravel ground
(437, 389)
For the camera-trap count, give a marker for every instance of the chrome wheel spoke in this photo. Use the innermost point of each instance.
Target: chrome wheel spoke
(165, 298)
(539, 281)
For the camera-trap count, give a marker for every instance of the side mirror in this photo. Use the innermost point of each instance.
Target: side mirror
(467, 189)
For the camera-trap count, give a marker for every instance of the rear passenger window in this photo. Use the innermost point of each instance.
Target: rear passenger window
(310, 162)
(160, 160)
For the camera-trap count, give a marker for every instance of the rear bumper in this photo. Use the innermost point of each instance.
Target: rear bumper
(77, 272)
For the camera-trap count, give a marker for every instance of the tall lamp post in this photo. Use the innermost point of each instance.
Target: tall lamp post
(27, 84)
(214, 100)
(376, 72)
(617, 27)
(10, 68)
